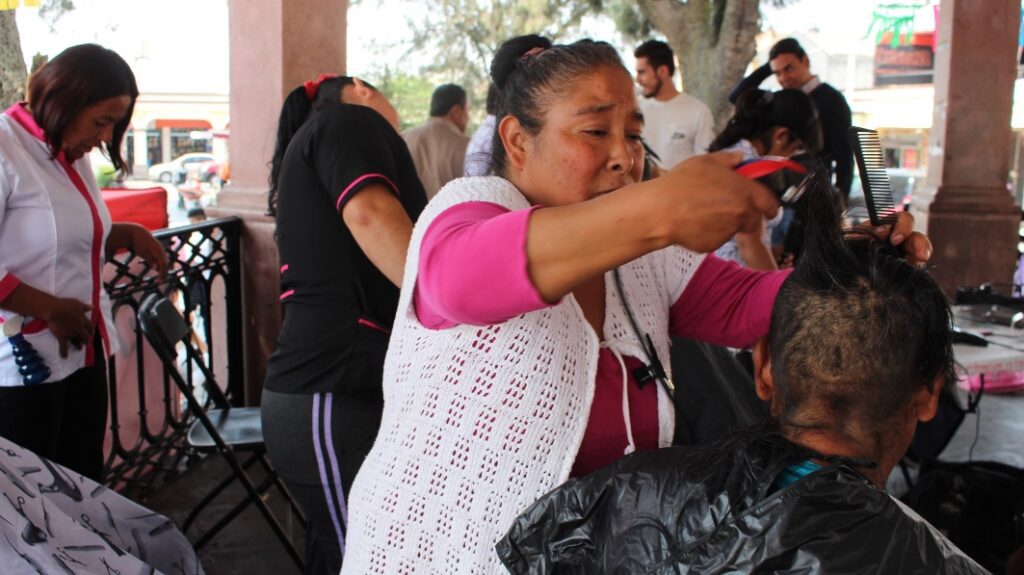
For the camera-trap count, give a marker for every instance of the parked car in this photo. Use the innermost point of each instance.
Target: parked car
(175, 171)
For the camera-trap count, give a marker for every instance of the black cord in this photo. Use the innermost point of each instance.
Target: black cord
(654, 368)
(974, 406)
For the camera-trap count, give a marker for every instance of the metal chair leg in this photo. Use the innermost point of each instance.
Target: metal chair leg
(296, 510)
(254, 495)
(209, 497)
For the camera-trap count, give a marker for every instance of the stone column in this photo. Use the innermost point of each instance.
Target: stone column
(140, 145)
(275, 46)
(966, 209)
(165, 145)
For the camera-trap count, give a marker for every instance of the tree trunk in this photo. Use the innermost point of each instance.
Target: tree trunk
(12, 63)
(714, 42)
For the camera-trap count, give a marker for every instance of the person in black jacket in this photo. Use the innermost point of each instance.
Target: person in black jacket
(859, 349)
(788, 61)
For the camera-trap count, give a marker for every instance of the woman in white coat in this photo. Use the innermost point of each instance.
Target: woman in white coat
(55, 234)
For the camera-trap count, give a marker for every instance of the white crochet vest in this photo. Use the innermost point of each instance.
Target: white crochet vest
(480, 421)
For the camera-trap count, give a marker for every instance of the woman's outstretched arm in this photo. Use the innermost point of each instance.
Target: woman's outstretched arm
(698, 205)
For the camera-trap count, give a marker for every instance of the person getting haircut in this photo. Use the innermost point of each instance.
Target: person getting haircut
(860, 346)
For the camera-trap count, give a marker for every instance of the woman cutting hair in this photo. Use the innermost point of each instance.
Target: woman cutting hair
(535, 307)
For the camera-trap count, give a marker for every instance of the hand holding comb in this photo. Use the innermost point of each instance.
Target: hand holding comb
(867, 149)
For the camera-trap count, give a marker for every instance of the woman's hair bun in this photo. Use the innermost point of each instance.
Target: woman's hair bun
(511, 53)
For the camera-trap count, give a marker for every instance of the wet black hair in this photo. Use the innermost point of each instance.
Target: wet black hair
(446, 97)
(295, 111)
(759, 112)
(856, 331)
(658, 54)
(531, 73)
(787, 46)
(75, 79)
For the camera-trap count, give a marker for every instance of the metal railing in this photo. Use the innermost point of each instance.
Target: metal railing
(147, 420)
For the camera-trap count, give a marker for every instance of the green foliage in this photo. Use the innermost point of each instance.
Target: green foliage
(408, 93)
(470, 31)
(464, 35)
(52, 10)
(630, 21)
(106, 176)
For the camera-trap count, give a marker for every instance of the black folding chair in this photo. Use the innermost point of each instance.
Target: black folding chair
(224, 429)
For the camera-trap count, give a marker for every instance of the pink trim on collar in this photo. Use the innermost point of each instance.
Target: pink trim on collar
(23, 117)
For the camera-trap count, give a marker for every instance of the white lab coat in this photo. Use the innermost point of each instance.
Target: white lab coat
(53, 227)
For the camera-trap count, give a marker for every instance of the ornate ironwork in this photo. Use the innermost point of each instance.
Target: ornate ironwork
(204, 263)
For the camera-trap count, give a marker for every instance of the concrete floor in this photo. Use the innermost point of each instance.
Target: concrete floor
(246, 545)
(999, 429)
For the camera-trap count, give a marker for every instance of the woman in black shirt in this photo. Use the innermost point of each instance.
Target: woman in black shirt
(344, 192)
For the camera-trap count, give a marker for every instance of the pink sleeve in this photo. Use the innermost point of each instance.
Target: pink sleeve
(726, 304)
(473, 268)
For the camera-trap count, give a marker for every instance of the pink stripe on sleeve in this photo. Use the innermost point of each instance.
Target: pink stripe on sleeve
(8, 284)
(357, 181)
(473, 268)
(372, 325)
(726, 304)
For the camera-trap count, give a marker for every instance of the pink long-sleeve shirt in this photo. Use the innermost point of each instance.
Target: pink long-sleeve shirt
(483, 246)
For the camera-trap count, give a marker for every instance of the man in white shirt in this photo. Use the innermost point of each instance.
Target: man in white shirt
(438, 147)
(676, 125)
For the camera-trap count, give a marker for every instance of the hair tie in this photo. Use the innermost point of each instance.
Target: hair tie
(313, 85)
(532, 53)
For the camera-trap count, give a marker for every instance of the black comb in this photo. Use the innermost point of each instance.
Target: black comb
(867, 149)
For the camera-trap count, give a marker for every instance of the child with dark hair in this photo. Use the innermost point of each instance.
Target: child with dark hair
(344, 193)
(780, 124)
(859, 349)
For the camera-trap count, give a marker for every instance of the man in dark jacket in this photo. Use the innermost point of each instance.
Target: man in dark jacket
(788, 61)
(859, 349)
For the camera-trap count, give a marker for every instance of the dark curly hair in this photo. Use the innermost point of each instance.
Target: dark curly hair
(856, 330)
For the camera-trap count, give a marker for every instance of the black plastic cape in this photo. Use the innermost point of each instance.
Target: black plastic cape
(712, 510)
